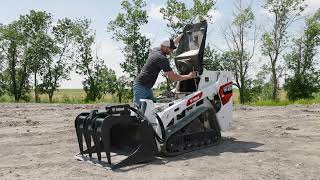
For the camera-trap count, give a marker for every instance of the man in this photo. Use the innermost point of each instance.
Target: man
(157, 61)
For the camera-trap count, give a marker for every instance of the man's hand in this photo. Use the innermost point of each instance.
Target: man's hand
(176, 77)
(193, 74)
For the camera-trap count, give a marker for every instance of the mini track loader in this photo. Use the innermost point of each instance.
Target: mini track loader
(190, 118)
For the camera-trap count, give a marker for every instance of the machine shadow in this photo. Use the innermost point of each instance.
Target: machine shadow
(226, 145)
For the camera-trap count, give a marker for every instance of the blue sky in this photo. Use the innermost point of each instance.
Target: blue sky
(102, 11)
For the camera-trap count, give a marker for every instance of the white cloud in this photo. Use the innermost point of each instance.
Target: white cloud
(155, 13)
(215, 14)
(149, 35)
(313, 2)
(265, 13)
(313, 6)
(110, 52)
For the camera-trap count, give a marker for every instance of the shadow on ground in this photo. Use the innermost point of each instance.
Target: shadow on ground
(227, 144)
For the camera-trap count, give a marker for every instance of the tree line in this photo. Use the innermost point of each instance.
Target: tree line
(35, 49)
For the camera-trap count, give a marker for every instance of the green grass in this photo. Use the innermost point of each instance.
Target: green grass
(77, 96)
(270, 103)
(6, 98)
(69, 96)
(284, 101)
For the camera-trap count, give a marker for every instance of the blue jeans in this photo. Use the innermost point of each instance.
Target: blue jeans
(141, 92)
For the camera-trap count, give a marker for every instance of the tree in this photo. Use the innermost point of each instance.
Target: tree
(115, 85)
(96, 74)
(121, 90)
(126, 29)
(241, 40)
(302, 62)
(13, 45)
(2, 78)
(58, 60)
(284, 12)
(178, 16)
(212, 60)
(35, 27)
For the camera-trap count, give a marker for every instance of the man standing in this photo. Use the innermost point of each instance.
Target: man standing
(157, 61)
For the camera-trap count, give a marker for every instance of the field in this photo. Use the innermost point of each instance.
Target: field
(38, 141)
(77, 96)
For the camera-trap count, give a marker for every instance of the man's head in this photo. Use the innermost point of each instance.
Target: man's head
(168, 46)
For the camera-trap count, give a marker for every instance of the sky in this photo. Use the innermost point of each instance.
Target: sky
(100, 12)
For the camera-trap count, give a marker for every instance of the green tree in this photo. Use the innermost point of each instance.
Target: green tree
(284, 13)
(117, 85)
(178, 15)
(121, 89)
(212, 60)
(241, 40)
(58, 61)
(2, 78)
(13, 46)
(305, 79)
(36, 26)
(96, 74)
(126, 29)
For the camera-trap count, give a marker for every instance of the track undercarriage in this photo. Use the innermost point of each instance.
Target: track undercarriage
(201, 132)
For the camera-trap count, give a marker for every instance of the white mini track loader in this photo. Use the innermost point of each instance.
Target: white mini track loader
(191, 118)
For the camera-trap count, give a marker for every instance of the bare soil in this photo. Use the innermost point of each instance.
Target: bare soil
(38, 141)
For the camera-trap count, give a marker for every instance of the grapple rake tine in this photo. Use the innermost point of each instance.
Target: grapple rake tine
(107, 145)
(97, 146)
(87, 138)
(79, 129)
(87, 134)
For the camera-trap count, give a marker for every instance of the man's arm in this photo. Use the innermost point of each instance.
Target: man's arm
(176, 77)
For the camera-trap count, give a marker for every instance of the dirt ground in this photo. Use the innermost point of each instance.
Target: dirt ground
(38, 141)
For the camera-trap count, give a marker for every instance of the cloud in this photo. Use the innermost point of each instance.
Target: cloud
(313, 6)
(215, 14)
(154, 12)
(265, 13)
(110, 52)
(149, 35)
(313, 3)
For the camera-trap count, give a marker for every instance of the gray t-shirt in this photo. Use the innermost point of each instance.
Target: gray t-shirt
(156, 62)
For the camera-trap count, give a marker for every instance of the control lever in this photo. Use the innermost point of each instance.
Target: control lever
(195, 79)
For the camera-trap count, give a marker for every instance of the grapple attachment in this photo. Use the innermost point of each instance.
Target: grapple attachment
(120, 130)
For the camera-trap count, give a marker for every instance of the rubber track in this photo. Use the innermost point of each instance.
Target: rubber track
(181, 143)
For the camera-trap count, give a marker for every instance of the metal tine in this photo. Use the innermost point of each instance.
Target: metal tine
(79, 129)
(87, 134)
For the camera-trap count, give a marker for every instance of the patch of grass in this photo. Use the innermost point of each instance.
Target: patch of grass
(77, 96)
(6, 98)
(316, 100)
(67, 96)
(270, 103)
(285, 102)
(72, 96)
(235, 96)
